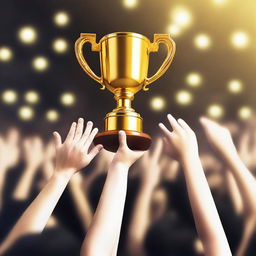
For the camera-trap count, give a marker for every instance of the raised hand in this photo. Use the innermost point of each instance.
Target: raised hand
(181, 141)
(75, 153)
(124, 155)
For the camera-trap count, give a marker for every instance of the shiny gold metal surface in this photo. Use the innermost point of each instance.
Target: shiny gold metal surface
(124, 61)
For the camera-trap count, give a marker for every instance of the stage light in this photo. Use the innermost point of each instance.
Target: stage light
(61, 19)
(26, 113)
(181, 16)
(245, 112)
(240, 40)
(5, 54)
(32, 97)
(215, 111)
(194, 79)
(27, 35)
(60, 45)
(174, 30)
(67, 99)
(235, 86)
(183, 97)
(52, 115)
(130, 3)
(202, 41)
(9, 96)
(40, 63)
(157, 103)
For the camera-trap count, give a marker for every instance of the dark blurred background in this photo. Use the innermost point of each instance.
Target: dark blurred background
(213, 71)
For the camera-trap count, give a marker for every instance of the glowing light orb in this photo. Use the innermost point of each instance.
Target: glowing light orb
(235, 86)
(194, 79)
(240, 40)
(25, 113)
(60, 45)
(202, 41)
(245, 112)
(40, 63)
(32, 97)
(61, 19)
(157, 103)
(9, 96)
(5, 54)
(174, 30)
(181, 16)
(215, 111)
(130, 3)
(52, 115)
(68, 99)
(27, 35)
(183, 97)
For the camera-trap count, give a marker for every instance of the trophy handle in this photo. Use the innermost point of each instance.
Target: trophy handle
(83, 39)
(165, 39)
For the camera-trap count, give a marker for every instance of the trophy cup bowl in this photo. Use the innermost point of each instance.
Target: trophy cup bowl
(124, 61)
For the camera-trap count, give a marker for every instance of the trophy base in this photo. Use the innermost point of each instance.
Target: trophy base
(135, 140)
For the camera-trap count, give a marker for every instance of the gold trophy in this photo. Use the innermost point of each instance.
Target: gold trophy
(124, 60)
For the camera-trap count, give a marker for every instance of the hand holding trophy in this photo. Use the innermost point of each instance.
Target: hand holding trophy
(124, 60)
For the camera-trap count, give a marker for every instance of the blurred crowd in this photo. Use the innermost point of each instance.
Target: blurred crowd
(157, 220)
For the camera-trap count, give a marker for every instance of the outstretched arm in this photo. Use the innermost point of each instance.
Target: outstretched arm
(71, 156)
(221, 140)
(150, 171)
(103, 234)
(183, 144)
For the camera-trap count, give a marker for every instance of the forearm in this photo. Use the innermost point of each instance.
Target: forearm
(2, 179)
(22, 190)
(205, 214)
(140, 221)
(37, 214)
(244, 180)
(106, 224)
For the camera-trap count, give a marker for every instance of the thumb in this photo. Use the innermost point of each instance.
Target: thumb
(95, 150)
(122, 139)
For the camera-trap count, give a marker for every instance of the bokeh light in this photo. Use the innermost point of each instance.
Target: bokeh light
(68, 99)
(215, 111)
(9, 96)
(194, 79)
(245, 112)
(202, 41)
(25, 113)
(52, 115)
(157, 103)
(5, 54)
(235, 86)
(32, 97)
(174, 30)
(60, 45)
(240, 40)
(40, 63)
(181, 16)
(130, 3)
(61, 19)
(27, 35)
(183, 97)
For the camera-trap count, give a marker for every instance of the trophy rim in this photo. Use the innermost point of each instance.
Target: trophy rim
(129, 34)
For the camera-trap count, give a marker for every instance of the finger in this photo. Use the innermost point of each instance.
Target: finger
(88, 142)
(165, 130)
(122, 139)
(157, 150)
(174, 124)
(95, 151)
(71, 133)
(79, 129)
(87, 131)
(57, 139)
(184, 125)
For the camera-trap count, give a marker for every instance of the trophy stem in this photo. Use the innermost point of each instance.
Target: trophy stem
(123, 99)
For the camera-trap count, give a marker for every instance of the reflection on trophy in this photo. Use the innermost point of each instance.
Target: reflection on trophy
(124, 60)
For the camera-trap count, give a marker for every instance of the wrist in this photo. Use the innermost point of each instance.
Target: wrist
(64, 173)
(117, 163)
